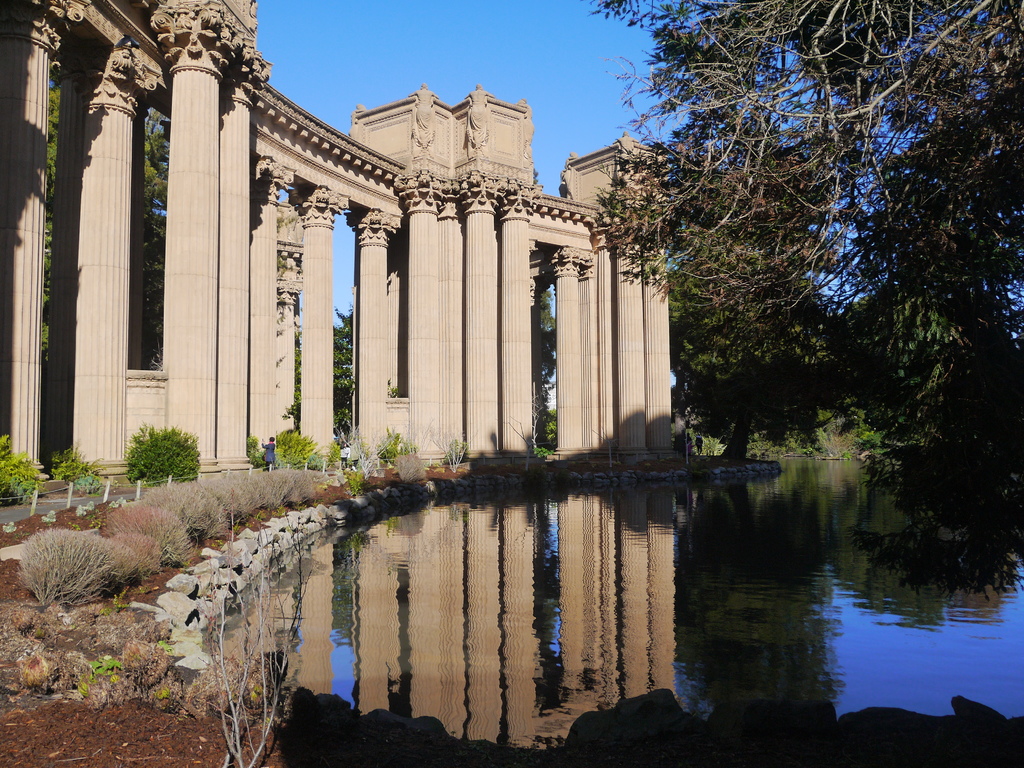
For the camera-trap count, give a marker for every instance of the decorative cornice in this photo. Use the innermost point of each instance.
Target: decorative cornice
(270, 179)
(517, 199)
(374, 227)
(479, 193)
(421, 192)
(319, 206)
(196, 35)
(123, 75)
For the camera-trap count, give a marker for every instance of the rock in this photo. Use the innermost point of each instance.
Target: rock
(976, 713)
(889, 721)
(390, 719)
(763, 717)
(653, 714)
(180, 607)
(185, 584)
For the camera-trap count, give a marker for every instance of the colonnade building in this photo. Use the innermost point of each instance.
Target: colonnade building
(454, 240)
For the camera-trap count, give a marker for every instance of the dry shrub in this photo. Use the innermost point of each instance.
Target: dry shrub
(205, 696)
(145, 664)
(301, 486)
(237, 495)
(167, 694)
(410, 468)
(197, 508)
(66, 567)
(161, 525)
(133, 556)
(36, 672)
(54, 670)
(23, 619)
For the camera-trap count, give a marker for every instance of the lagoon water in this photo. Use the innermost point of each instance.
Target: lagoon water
(507, 620)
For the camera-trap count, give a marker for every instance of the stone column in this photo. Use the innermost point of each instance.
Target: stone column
(288, 289)
(658, 362)
(589, 365)
(604, 276)
(233, 277)
(264, 414)
(451, 291)
(421, 195)
(58, 423)
(27, 40)
(196, 39)
(568, 357)
(632, 410)
(104, 259)
(373, 228)
(515, 332)
(317, 210)
(481, 322)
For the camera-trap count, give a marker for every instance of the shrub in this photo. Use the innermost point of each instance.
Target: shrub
(254, 450)
(156, 454)
(66, 567)
(294, 449)
(300, 487)
(394, 445)
(90, 484)
(197, 509)
(161, 525)
(334, 455)
(455, 452)
(17, 475)
(356, 482)
(410, 468)
(238, 496)
(69, 465)
(133, 557)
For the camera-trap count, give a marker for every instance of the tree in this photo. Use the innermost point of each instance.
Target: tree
(154, 223)
(860, 156)
(344, 381)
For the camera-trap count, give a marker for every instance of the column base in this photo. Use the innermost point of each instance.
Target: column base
(234, 464)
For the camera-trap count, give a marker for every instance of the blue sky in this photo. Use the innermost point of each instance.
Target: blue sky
(330, 55)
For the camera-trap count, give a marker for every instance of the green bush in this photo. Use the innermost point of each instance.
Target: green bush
(70, 465)
(295, 450)
(334, 455)
(394, 445)
(66, 567)
(356, 482)
(254, 450)
(18, 478)
(156, 454)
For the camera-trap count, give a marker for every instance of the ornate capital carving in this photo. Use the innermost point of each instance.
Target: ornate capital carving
(248, 71)
(40, 20)
(479, 193)
(375, 227)
(288, 291)
(420, 192)
(318, 207)
(195, 35)
(567, 261)
(123, 75)
(271, 179)
(517, 199)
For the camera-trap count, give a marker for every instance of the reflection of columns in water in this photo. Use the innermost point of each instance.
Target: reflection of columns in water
(451, 590)
(424, 615)
(315, 671)
(635, 618)
(661, 587)
(375, 628)
(483, 638)
(520, 644)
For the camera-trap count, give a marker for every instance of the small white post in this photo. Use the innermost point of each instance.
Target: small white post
(106, 491)
(169, 481)
(138, 490)
(35, 500)
(71, 490)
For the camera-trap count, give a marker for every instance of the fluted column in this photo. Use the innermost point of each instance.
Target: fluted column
(104, 259)
(288, 289)
(27, 40)
(373, 228)
(568, 359)
(590, 384)
(632, 411)
(247, 72)
(422, 195)
(481, 351)
(657, 363)
(317, 211)
(605, 326)
(515, 332)
(196, 39)
(58, 416)
(451, 292)
(264, 415)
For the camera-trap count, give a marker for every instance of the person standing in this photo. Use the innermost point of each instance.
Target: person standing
(270, 453)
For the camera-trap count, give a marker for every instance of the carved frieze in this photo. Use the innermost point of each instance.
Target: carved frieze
(374, 227)
(319, 206)
(421, 191)
(122, 77)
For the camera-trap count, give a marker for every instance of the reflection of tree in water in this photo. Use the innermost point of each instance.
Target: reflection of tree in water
(752, 615)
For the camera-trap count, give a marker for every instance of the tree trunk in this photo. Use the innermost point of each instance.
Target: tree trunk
(740, 437)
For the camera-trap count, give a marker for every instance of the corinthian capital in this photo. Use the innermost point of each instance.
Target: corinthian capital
(479, 193)
(319, 206)
(421, 191)
(374, 227)
(271, 179)
(567, 261)
(247, 69)
(40, 20)
(195, 34)
(122, 77)
(517, 199)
